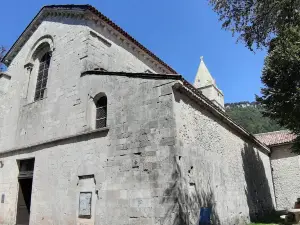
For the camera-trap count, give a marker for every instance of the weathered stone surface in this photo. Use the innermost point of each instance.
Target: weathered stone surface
(286, 167)
(216, 167)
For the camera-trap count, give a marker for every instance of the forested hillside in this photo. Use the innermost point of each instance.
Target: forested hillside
(249, 115)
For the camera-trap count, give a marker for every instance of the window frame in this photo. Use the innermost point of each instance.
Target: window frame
(42, 76)
(101, 112)
(42, 45)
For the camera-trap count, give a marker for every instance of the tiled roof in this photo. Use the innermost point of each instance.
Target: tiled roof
(276, 137)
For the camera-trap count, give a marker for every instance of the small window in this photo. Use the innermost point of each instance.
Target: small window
(42, 77)
(101, 112)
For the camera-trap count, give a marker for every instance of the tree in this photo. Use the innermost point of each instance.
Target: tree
(2, 51)
(257, 21)
(273, 24)
(281, 77)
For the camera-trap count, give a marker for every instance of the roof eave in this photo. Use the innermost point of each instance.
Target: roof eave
(31, 27)
(130, 74)
(5, 60)
(281, 144)
(200, 98)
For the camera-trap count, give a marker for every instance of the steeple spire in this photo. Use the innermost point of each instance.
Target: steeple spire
(205, 83)
(203, 77)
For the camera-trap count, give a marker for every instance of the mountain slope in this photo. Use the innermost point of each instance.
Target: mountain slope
(249, 115)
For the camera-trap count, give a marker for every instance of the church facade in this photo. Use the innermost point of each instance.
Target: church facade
(96, 129)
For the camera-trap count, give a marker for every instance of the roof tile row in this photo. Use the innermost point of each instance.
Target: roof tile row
(276, 137)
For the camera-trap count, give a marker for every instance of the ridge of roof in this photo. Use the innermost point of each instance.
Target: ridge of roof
(133, 74)
(85, 7)
(276, 137)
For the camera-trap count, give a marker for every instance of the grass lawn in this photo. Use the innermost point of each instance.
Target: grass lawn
(263, 224)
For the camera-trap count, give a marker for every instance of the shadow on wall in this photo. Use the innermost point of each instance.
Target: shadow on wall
(258, 192)
(184, 200)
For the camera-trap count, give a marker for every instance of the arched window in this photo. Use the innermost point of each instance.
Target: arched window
(101, 112)
(42, 77)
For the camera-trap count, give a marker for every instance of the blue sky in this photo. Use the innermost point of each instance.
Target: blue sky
(177, 31)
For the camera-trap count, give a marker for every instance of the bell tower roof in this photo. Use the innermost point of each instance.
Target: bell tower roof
(205, 83)
(203, 77)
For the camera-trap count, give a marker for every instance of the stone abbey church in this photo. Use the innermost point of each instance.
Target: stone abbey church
(97, 130)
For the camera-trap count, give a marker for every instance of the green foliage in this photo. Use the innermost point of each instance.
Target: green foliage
(281, 77)
(251, 118)
(273, 24)
(257, 21)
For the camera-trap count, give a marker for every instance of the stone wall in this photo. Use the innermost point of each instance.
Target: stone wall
(106, 51)
(62, 112)
(28, 121)
(131, 161)
(216, 167)
(286, 175)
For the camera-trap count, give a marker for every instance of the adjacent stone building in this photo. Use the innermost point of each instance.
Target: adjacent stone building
(285, 167)
(96, 129)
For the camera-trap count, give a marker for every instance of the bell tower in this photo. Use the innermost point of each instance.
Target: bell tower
(205, 83)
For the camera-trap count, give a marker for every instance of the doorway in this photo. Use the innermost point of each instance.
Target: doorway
(25, 177)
